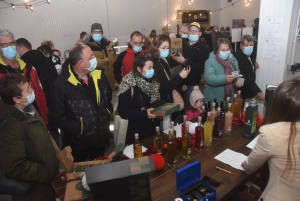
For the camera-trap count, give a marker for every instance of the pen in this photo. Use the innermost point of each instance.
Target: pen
(225, 170)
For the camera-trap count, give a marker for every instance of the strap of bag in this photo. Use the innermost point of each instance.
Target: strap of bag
(28, 153)
(165, 71)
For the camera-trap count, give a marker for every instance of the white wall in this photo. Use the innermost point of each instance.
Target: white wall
(238, 11)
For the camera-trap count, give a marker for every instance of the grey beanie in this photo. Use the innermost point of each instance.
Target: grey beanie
(96, 26)
(195, 96)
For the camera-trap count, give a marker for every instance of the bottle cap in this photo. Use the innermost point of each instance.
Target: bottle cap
(203, 107)
(219, 109)
(199, 118)
(239, 91)
(228, 99)
(157, 128)
(172, 123)
(208, 113)
(235, 95)
(214, 104)
(229, 104)
(136, 135)
(184, 117)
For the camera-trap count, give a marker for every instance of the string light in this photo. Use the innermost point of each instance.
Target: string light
(48, 1)
(13, 6)
(31, 8)
(33, 3)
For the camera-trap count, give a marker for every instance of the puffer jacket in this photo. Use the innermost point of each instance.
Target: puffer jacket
(41, 167)
(83, 121)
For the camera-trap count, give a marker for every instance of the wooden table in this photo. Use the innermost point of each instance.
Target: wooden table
(163, 183)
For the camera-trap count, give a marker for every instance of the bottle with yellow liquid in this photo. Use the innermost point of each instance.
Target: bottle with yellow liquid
(208, 127)
(186, 143)
(239, 101)
(137, 147)
(234, 107)
(171, 152)
(157, 141)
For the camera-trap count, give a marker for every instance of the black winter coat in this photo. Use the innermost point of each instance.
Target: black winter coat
(250, 88)
(138, 122)
(84, 121)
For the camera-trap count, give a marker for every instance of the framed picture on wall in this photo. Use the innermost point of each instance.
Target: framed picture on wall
(237, 23)
(229, 1)
(200, 16)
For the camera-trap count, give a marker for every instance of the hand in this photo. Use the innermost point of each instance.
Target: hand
(180, 59)
(238, 84)
(256, 65)
(150, 116)
(184, 88)
(230, 78)
(185, 72)
(260, 96)
(106, 59)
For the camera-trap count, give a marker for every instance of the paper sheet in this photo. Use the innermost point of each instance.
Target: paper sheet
(253, 142)
(232, 158)
(128, 151)
(177, 128)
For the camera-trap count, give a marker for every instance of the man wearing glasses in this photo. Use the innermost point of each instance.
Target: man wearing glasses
(10, 63)
(194, 55)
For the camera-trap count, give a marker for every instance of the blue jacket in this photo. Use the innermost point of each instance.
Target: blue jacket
(215, 78)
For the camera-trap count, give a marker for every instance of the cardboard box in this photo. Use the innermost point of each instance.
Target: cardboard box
(176, 46)
(76, 192)
(127, 176)
(165, 109)
(191, 186)
(67, 161)
(59, 185)
(250, 120)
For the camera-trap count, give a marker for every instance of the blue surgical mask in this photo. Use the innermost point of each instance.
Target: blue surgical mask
(224, 55)
(137, 48)
(184, 36)
(97, 37)
(216, 30)
(9, 52)
(164, 53)
(30, 99)
(93, 64)
(149, 74)
(193, 38)
(248, 50)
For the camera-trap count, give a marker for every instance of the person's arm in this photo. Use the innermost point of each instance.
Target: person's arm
(261, 152)
(126, 107)
(118, 65)
(210, 76)
(13, 159)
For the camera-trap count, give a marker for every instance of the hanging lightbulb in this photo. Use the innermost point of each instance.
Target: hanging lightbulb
(13, 6)
(48, 1)
(192, 1)
(189, 3)
(246, 5)
(210, 12)
(180, 13)
(31, 8)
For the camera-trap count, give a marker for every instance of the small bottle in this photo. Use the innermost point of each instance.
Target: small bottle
(208, 106)
(172, 127)
(208, 127)
(171, 152)
(234, 107)
(216, 104)
(239, 101)
(183, 125)
(222, 109)
(226, 106)
(203, 115)
(228, 121)
(199, 135)
(157, 141)
(186, 143)
(137, 147)
(217, 131)
(213, 113)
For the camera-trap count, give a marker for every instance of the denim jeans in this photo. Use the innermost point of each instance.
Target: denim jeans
(188, 93)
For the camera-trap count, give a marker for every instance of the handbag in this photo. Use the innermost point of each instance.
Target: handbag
(13, 186)
(177, 99)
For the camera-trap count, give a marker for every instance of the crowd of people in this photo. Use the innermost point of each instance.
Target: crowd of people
(73, 101)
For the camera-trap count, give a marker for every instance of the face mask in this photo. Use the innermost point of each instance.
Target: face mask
(222, 32)
(137, 48)
(30, 99)
(9, 52)
(193, 38)
(224, 55)
(164, 53)
(149, 74)
(93, 65)
(97, 37)
(216, 30)
(184, 36)
(248, 50)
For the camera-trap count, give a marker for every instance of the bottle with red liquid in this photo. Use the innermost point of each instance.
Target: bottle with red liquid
(217, 131)
(183, 127)
(199, 136)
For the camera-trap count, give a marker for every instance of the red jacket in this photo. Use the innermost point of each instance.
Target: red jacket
(128, 60)
(40, 99)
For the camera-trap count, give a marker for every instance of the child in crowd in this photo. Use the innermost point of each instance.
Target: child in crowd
(193, 109)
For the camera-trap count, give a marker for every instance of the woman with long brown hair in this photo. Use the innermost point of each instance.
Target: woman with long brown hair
(279, 144)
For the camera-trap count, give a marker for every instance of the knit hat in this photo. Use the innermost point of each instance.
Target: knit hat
(195, 95)
(196, 24)
(96, 26)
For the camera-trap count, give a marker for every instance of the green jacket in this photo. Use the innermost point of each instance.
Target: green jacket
(42, 166)
(215, 78)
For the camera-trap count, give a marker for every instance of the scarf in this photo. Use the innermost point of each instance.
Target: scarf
(227, 71)
(150, 87)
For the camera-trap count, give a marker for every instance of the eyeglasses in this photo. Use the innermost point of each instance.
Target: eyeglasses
(4, 45)
(194, 31)
(97, 32)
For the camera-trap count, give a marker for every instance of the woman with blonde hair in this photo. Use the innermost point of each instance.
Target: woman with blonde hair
(279, 143)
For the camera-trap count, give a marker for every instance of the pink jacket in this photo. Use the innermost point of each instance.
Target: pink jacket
(191, 115)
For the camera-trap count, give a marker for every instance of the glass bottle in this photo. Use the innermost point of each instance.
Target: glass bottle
(171, 152)
(208, 106)
(183, 125)
(203, 115)
(234, 107)
(216, 104)
(172, 127)
(186, 143)
(199, 135)
(228, 121)
(157, 141)
(137, 147)
(222, 109)
(239, 101)
(213, 113)
(208, 127)
(226, 106)
(217, 131)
